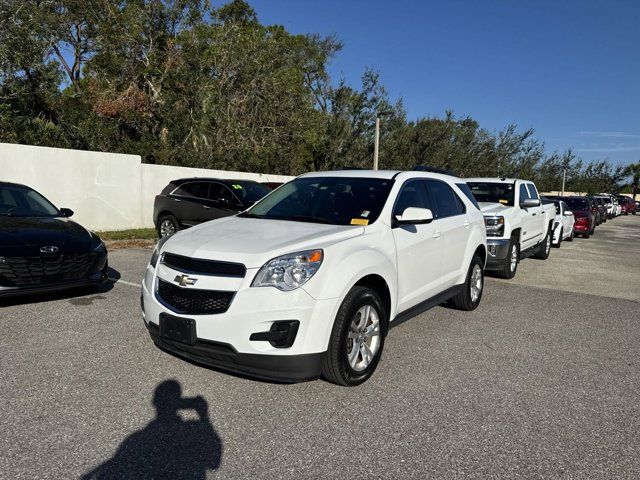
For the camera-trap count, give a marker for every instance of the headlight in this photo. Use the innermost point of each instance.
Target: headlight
(495, 226)
(156, 251)
(289, 272)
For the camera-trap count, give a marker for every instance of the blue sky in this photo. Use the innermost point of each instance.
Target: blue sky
(569, 69)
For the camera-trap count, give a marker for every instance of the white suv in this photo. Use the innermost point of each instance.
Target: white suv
(308, 281)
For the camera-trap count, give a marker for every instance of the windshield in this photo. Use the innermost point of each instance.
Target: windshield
(576, 203)
(493, 192)
(17, 201)
(331, 200)
(249, 192)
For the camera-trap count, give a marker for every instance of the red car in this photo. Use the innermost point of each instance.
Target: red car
(627, 205)
(585, 223)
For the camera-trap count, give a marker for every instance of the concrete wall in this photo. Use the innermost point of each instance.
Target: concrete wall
(107, 191)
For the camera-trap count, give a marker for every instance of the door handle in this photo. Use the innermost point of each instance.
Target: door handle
(208, 208)
(466, 224)
(533, 214)
(177, 200)
(436, 234)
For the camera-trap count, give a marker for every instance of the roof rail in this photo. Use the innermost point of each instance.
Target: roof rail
(427, 168)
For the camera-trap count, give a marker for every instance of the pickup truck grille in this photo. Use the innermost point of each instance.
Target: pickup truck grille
(37, 270)
(204, 267)
(191, 301)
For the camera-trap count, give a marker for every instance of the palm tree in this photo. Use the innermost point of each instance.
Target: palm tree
(633, 171)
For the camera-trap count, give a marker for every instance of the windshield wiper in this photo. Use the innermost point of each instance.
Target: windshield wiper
(307, 218)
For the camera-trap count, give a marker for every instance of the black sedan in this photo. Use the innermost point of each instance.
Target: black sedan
(41, 249)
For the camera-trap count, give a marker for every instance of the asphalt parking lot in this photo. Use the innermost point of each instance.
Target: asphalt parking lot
(542, 380)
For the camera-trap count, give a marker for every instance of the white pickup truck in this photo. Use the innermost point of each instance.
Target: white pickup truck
(518, 224)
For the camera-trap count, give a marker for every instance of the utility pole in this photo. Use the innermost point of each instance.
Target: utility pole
(564, 177)
(376, 144)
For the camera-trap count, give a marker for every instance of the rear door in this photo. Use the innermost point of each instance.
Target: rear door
(188, 200)
(419, 249)
(453, 226)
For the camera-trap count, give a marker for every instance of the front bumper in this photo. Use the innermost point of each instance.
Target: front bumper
(282, 368)
(224, 340)
(498, 250)
(96, 276)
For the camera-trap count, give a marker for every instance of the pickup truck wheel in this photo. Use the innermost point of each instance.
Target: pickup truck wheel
(357, 338)
(167, 225)
(513, 258)
(544, 247)
(469, 298)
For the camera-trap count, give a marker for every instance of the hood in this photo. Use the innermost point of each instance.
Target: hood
(254, 241)
(25, 235)
(490, 208)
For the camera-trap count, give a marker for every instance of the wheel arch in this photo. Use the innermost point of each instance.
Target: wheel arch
(379, 285)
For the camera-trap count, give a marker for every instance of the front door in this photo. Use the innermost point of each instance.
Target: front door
(419, 250)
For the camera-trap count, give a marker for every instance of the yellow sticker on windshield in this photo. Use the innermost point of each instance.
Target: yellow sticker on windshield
(359, 221)
(504, 201)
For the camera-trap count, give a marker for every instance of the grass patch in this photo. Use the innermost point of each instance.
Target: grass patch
(133, 234)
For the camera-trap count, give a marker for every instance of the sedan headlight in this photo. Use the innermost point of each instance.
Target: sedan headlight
(156, 251)
(495, 226)
(289, 272)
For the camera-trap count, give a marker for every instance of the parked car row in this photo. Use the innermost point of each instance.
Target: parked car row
(305, 280)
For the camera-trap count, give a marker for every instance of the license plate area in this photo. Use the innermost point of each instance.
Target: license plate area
(178, 329)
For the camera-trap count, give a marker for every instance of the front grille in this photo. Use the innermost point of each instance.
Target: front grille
(191, 301)
(37, 270)
(205, 267)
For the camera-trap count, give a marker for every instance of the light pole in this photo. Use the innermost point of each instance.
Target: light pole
(376, 144)
(376, 140)
(564, 177)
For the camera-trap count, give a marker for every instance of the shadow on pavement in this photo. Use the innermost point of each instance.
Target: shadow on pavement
(168, 447)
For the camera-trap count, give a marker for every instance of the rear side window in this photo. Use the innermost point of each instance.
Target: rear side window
(467, 191)
(193, 189)
(413, 194)
(447, 203)
(533, 193)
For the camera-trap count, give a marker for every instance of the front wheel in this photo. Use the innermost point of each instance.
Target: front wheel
(557, 245)
(570, 237)
(357, 338)
(544, 248)
(513, 257)
(167, 225)
(469, 298)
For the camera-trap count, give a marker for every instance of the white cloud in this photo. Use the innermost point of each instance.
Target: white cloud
(608, 134)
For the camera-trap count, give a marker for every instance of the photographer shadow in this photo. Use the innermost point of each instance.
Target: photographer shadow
(169, 447)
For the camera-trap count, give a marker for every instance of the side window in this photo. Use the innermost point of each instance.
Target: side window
(193, 189)
(464, 188)
(448, 204)
(565, 207)
(218, 191)
(524, 194)
(533, 193)
(413, 194)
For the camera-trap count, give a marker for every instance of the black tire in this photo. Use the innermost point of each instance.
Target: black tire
(336, 367)
(570, 237)
(557, 245)
(585, 235)
(544, 247)
(464, 300)
(510, 269)
(167, 219)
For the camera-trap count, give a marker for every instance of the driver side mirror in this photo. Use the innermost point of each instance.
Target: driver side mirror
(414, 216)
(568, 213)
(529, 203)
(66, 212)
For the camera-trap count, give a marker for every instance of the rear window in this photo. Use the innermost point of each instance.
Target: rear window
(577, 203)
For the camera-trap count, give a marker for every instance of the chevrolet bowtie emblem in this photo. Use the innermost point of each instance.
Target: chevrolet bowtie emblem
(184, 280)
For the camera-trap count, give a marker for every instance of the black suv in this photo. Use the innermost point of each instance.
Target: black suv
(189, 201)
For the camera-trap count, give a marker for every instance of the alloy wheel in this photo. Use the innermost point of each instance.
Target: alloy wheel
(514, 258)
(363, 338)
(476, 283)
(167, 228)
